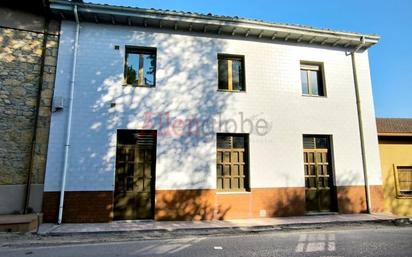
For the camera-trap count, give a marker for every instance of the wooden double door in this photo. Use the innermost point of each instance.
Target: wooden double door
(135, 175)
(320, 193)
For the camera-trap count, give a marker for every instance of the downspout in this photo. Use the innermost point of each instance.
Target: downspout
(361, 134)
(69, 119)
(36, 118)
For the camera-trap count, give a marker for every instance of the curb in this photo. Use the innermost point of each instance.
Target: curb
(230, 230)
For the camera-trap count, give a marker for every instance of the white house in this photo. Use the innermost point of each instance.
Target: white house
(168, 115)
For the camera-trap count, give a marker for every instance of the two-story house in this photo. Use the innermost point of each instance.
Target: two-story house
(169, 115)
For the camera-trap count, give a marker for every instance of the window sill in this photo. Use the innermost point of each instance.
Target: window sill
(231, 91)
(315, 96)
(131, 85)
(232, 192)
(404, 197)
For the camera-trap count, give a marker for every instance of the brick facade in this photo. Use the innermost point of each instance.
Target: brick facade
(79, 207)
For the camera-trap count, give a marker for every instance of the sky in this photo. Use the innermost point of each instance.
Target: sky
(390, 60)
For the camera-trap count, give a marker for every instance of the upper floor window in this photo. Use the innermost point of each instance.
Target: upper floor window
(140, 67)
(311, 76)
(231, 72)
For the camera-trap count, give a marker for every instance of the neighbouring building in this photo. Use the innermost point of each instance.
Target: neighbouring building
(169, 115)
(28, 56)
(395, 145)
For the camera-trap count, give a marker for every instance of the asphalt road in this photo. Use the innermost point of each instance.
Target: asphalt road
(368, 241)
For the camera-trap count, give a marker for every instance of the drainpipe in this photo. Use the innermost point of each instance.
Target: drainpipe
(361, 134)
(69, 119)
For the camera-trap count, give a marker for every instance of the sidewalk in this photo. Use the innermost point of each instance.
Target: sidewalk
(217, 225)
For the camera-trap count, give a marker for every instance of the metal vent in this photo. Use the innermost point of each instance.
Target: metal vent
(137, 137)
(309, 142)
(224, 142)
(145, 139)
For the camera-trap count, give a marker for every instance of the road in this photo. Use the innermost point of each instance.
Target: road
(359, 241)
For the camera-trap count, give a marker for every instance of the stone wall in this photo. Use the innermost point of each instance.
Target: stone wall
(21, 54)
(20, 63)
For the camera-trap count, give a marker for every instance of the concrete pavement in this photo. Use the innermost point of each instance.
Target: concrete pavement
(216, 225)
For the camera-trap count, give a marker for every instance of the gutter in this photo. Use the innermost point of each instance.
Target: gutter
(69, 119)
(360, 122)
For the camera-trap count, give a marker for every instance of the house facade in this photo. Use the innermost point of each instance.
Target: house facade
(395, 146)
(179, 116)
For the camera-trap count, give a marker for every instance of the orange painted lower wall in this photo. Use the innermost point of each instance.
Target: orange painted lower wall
(187, 204)
(259, 202)
(378, 199)
(352, 199)
(207, 204)
(263, 202)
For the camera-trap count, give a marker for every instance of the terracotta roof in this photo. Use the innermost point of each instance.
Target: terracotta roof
(394, 125)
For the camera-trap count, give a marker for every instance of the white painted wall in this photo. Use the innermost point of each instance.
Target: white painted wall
(186, 87)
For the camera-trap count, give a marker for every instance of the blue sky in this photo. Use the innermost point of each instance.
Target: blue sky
(390, 59)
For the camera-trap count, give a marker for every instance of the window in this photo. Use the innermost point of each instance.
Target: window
(232, 162)
(231, 73)
(140, 67)
(312, 79)
(403, 180)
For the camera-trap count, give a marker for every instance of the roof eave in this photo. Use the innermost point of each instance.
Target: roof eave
(395, 134)
(210, 24)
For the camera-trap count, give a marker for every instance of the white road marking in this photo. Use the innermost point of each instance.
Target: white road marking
(315, 247)
(300, 247)
(319, 242)
(331, 246)
(218, 248)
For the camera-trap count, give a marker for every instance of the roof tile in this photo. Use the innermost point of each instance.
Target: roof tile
(394, 125)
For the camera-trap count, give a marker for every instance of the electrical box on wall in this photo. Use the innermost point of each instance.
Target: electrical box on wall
(58, 104)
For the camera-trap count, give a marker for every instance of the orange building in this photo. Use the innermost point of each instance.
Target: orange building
(395, 146)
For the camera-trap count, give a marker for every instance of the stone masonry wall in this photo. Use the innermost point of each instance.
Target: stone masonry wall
(20, 67)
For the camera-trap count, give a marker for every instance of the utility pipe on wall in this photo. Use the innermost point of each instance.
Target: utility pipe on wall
(69, 119)
(361, 134)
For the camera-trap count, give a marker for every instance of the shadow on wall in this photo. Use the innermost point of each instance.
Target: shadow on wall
(286, 202)
(182, 108)
(393, 203)
(189, 205)
(348, 200)
(352, 199)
